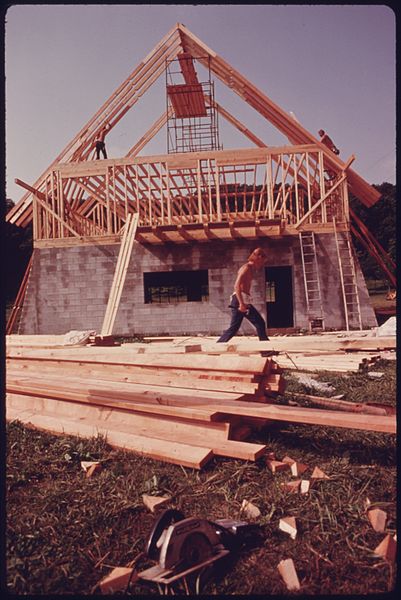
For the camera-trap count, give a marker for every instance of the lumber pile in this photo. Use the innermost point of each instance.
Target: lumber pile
(179, 407)
(162, 406)
(337, 352)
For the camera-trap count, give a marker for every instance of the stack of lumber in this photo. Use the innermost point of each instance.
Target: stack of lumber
(337, 352)
(145, 403)
(177, 407)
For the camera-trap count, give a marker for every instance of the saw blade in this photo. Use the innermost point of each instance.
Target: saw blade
(195, 549)
(160, 526)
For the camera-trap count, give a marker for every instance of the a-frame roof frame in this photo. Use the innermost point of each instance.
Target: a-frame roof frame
(179, 39)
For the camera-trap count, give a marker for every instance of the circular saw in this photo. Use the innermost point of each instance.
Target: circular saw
(183, 545)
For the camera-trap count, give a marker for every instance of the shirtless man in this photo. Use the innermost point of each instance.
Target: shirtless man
(100, 146)
(241, 302)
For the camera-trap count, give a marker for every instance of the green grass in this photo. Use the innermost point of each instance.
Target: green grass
(66, 531)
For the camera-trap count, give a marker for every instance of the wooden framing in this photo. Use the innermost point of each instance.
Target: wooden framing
(220, 194)
(112, 186)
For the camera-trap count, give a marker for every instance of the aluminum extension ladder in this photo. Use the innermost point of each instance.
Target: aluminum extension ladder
(310, 269)
(352, 307)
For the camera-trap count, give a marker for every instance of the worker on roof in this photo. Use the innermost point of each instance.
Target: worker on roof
(327, 141)
(241, 301)
(99, 141)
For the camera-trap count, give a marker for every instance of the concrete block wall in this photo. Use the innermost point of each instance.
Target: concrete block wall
(69, 287)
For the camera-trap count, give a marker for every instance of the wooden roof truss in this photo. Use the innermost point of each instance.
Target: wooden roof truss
(211, 190)
(284, 186)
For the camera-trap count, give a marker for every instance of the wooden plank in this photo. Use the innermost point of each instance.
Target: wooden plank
(238, 364)
(224, 405)
(329, 343)
(120, 274)
(124, 392)
(194, 457)
(123, 366)
(310, 416)
(77, 241)
(225, 382)
(146, 425)
(27, 397)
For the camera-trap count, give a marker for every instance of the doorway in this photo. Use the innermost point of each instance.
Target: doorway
(279, 300)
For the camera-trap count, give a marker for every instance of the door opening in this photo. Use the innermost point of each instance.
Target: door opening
(279, 300)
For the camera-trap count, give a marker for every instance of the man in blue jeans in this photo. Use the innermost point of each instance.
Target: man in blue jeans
(241, 302)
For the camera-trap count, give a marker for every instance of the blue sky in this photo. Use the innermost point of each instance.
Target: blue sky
(332, 66)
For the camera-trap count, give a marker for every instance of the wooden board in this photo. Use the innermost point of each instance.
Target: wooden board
(181, 454)
(32, 408)
(221, 381)
(311, 416)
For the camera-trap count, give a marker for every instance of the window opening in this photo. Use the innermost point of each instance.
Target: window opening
(171, 287)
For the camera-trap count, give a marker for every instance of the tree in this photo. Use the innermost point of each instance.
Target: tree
(17, 248)
(380, 219)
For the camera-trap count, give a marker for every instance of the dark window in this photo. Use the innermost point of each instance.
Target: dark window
(176, 286)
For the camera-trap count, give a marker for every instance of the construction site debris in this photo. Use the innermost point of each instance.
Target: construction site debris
(319, 474)
(337, 404)
(387, 548)
(277, 466)
(291, 486)
(309, 381)
(287, 571)
(377, 518)
(77, 338)
(117, 580)
(304, 486)
(249, 510)
(90, 467)
(375, 374)
(151, 502)
(298, 468)
(288, 524)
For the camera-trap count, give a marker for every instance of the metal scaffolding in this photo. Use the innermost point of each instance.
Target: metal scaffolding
(192, 125)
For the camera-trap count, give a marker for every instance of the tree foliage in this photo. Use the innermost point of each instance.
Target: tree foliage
(17, 246)
(380, 219)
